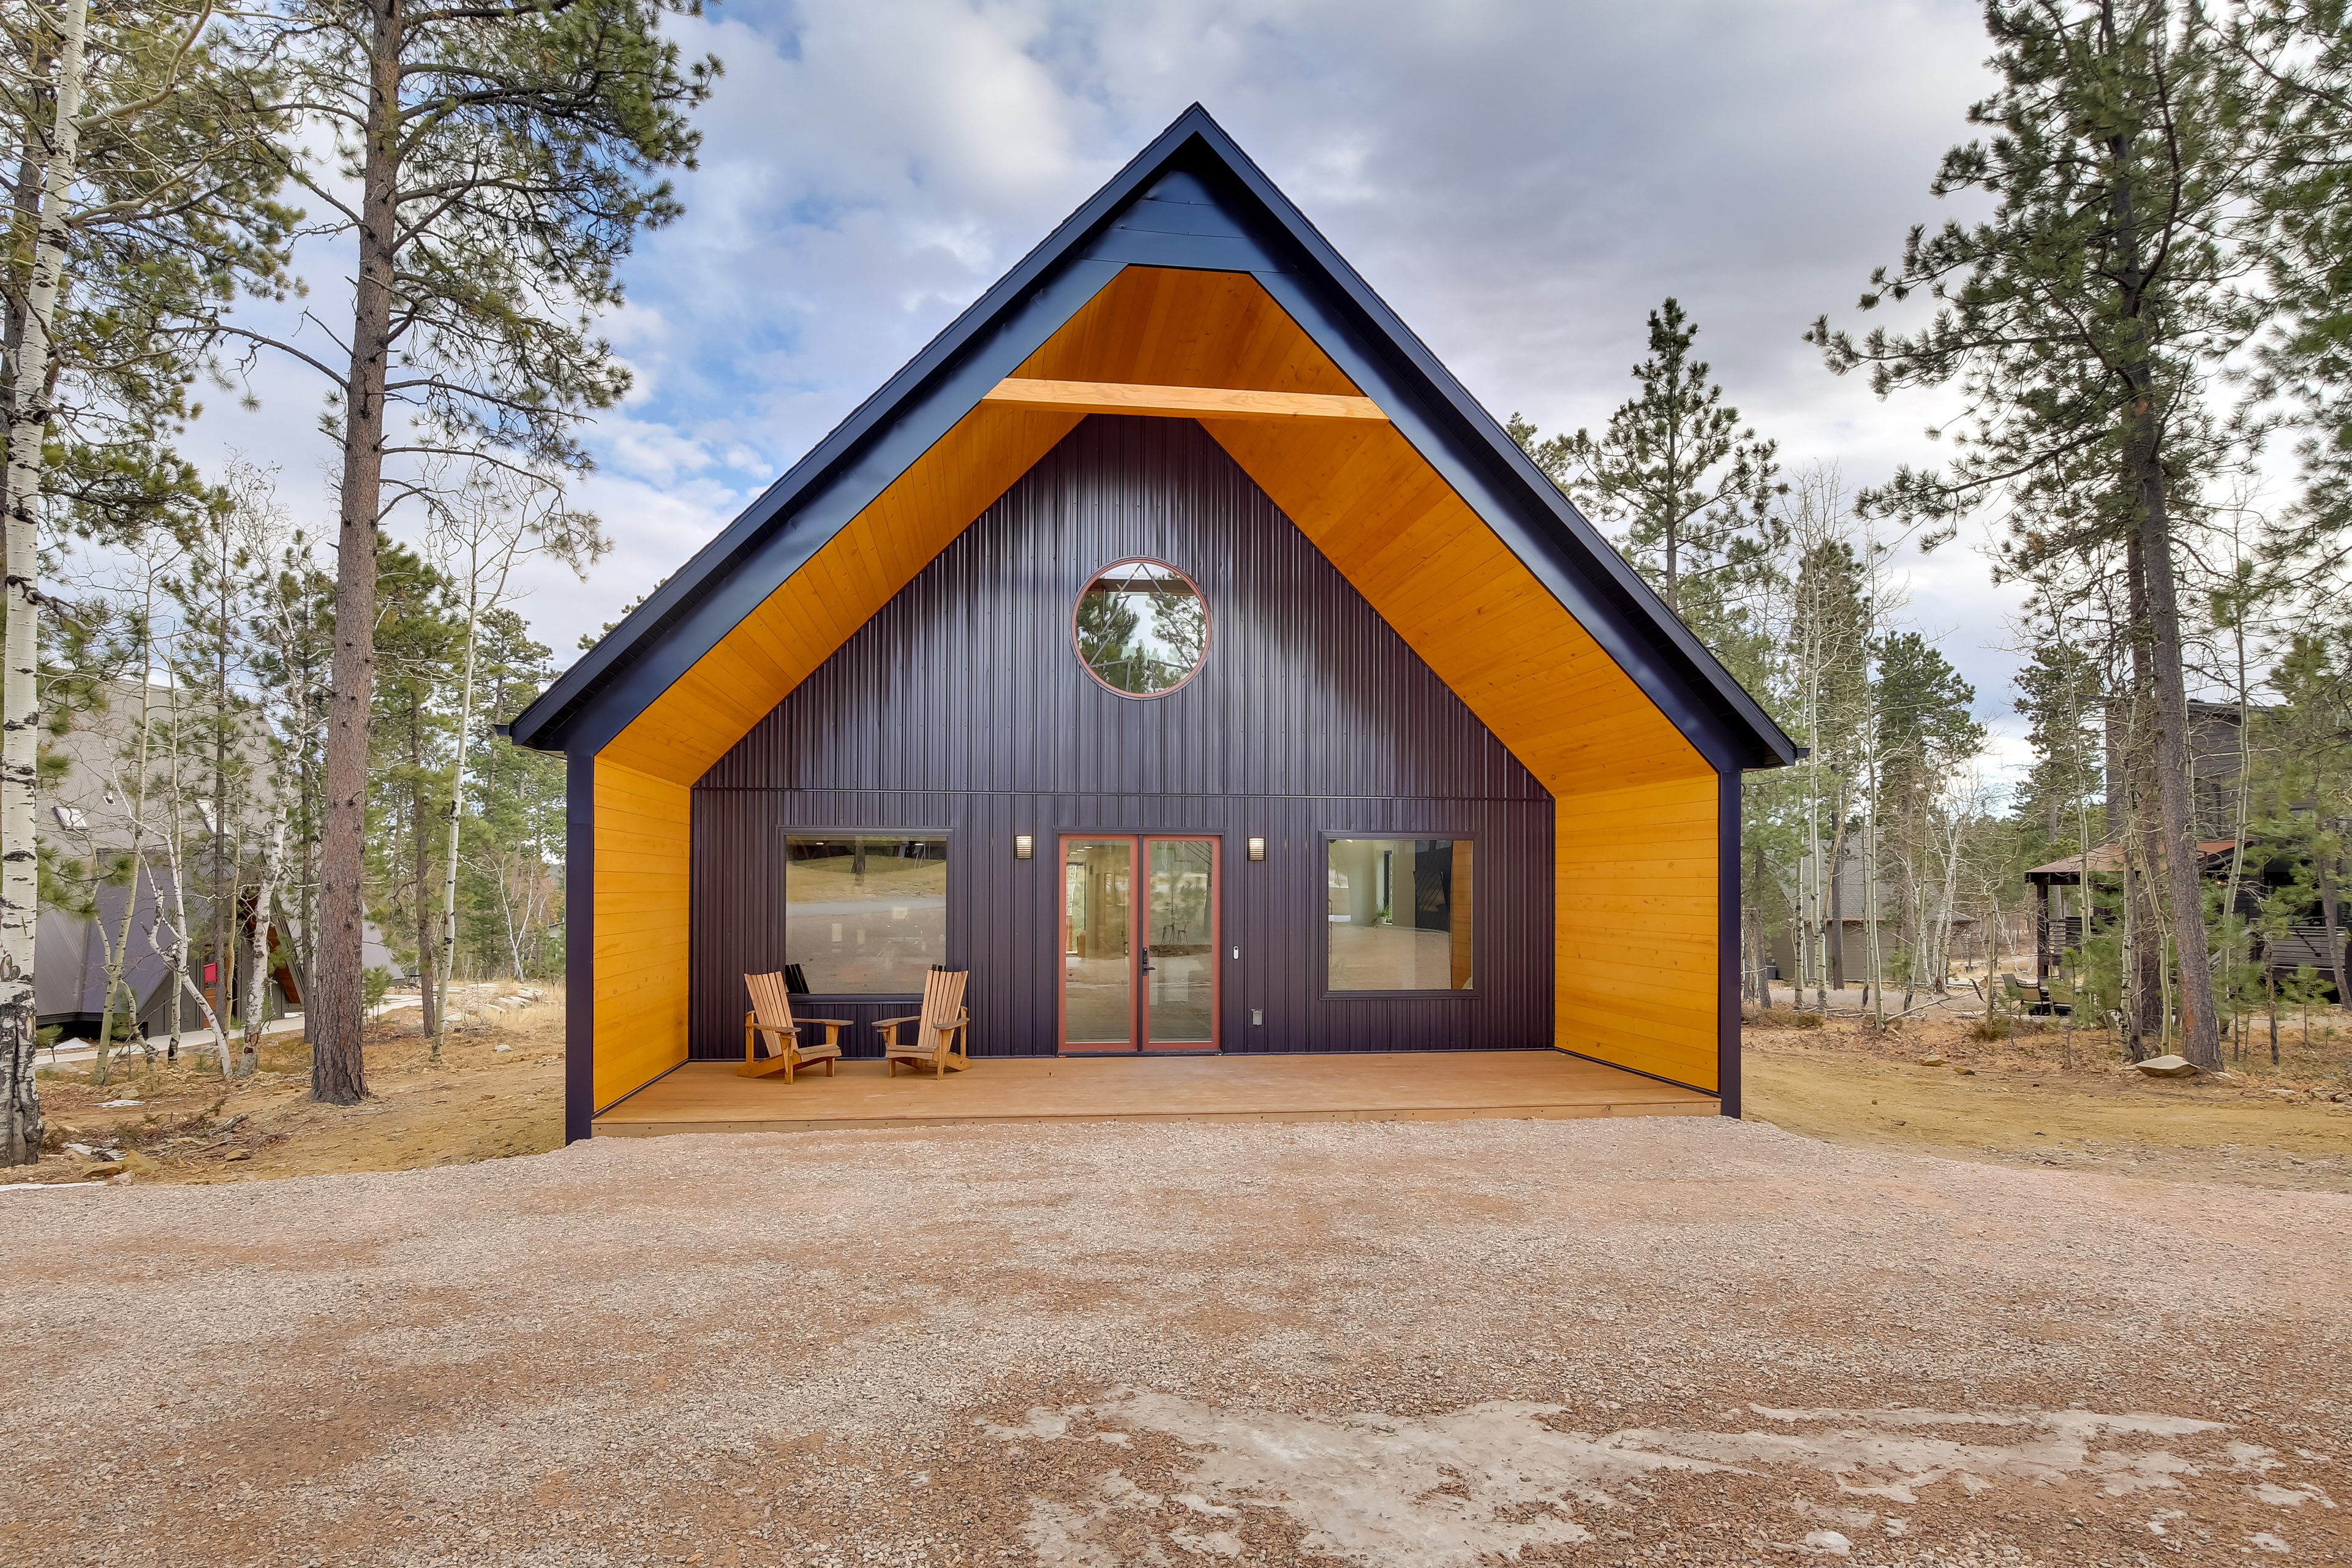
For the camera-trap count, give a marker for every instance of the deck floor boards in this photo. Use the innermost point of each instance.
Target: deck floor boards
(1425, 1086)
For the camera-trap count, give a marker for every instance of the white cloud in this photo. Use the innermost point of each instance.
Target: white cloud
(1523, 182)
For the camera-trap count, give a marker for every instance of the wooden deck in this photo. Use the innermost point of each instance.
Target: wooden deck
(1432, 1086)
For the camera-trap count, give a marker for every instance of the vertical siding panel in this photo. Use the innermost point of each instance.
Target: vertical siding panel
(961, 705)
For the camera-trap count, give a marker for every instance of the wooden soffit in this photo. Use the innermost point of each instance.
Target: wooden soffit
(1187, 343)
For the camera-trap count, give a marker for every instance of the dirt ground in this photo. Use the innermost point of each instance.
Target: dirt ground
(498, 1092)
(2044, 1099)
(1426, 1346)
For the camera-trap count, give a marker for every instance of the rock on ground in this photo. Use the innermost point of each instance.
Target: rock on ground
(1397, 1346)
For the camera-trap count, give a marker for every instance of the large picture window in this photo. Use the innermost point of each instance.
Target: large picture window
(1399, 914)
(866, 912)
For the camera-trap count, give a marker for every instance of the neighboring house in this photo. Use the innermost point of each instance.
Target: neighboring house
(1852, 912)
(2214, 764)
(85, 814)
(2059, 925)
(1178, 647)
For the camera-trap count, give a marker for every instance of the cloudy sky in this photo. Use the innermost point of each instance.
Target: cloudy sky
(1522, 181)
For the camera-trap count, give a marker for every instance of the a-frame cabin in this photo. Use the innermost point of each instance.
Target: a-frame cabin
(1178, 647)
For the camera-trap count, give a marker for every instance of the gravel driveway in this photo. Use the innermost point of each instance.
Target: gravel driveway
(1432, 1345)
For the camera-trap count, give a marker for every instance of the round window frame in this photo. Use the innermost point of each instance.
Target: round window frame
(1208, 642)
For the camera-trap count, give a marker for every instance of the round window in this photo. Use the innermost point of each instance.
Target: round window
(1141, 627)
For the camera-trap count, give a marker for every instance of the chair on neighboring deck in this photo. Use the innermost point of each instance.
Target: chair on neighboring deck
(2027, 999)
(942, 1030)
(772, 1038)
(2059, 994)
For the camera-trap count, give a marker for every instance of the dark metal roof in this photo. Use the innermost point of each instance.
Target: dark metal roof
(683, 619)
(2108, 860)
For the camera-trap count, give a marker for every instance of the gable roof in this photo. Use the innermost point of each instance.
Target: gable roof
(1192, 201)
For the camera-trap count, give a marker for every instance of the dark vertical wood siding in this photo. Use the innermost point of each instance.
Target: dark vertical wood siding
(961, 705)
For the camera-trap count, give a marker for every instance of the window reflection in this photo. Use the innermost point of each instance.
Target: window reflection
(1399, 914)
(866, 912)
(1142, 628)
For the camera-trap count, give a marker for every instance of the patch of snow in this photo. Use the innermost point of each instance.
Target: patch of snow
(1490, 1481)
(1866, 1457)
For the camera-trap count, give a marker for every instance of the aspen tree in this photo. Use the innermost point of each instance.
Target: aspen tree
(142, 204)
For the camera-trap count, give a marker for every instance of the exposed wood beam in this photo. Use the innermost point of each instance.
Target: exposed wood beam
(1180, 402)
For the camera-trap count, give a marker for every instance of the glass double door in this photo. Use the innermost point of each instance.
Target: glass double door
(1138, 942)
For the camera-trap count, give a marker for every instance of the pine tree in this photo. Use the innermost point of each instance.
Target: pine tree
(494, 163)
(2299, 92)
(1829, 641)
(1691, 491)
(2082, 322)
(419, 629)
(1926, 734)
(513, 850)
(2059, 696)
(2311, 783)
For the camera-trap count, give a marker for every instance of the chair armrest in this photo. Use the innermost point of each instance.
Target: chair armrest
(910, 1019)
(837, 1023)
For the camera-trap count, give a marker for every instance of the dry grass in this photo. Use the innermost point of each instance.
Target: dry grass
(2049, 1096)
(2044, 1096)
(498, 1091)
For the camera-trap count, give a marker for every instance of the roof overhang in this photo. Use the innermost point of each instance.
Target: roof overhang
(1189, 270)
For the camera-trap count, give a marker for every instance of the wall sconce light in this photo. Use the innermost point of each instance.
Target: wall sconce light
(1257, 849)
(1023, 846)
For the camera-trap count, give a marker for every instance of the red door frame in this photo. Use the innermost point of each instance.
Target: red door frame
(1139, 900)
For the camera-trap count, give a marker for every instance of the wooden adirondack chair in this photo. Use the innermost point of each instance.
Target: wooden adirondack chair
(2027, 999)
(942, 1030)
(772, 1038)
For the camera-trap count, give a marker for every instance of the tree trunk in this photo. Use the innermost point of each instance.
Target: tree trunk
(264, 899)
(2270, 983)
(2113, 727)
(225, 858)
(2141, 838)
(2183, 866)
(420, 835)
(20, 697)
(2325, 860)
(1948, 903)
(457, 804)
(118, 959)
(1759, 983)
(174, 842)
(1836, 948)
(2157, 619)
(338, 1071)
